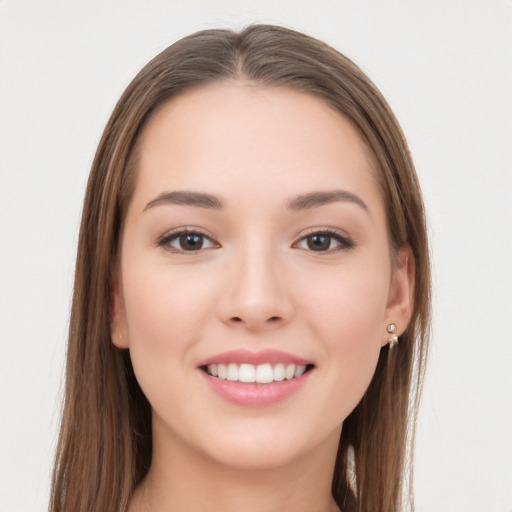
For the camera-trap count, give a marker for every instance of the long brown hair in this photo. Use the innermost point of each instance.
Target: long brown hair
(104, 449)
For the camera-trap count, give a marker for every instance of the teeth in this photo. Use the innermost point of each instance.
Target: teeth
(299, 370)
(279, 372)
(223, 371)
(232, 372)
(262, 374)
(289, 373)
(247, 373)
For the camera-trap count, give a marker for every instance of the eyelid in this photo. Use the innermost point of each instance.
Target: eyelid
(345, 241)
(164, 240)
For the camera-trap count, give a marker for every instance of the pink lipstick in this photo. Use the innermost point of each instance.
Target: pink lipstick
(255, 378)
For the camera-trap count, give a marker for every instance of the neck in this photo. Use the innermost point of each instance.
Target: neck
(182, 479)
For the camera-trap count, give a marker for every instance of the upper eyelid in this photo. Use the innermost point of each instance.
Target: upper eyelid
(324, 230)
(169, 236)
(335, 232)
(185, 230)
(344, 239)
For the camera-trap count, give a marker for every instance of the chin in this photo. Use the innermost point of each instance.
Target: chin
(270, 448)
(257, 456)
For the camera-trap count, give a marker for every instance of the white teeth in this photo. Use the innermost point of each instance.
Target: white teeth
(289, 373)
(232, 372)
(300, 370)
(223, 371)
(279, 372)
(247, 373)
(262, 374)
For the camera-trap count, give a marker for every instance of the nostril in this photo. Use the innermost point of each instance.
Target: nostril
(272, 319)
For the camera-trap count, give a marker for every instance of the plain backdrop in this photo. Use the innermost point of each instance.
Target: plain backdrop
(445, 67)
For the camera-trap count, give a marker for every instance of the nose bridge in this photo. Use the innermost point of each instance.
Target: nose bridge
(258, 295)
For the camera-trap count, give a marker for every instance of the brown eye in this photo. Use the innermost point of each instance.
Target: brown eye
(190, 242)
(186, 241)
(325, 242)
(319, 242)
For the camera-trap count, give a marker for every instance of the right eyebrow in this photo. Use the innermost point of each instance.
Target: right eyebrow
(186, 198)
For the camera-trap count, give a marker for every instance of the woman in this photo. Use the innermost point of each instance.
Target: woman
(251, 305)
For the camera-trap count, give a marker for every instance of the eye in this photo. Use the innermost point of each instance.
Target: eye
(325, 241)
(186, 241)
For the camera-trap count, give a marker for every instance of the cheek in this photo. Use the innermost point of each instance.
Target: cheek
(346, 314)
(165, 313)
(347, 303)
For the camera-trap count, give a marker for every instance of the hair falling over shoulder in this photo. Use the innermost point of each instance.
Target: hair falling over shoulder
(104, 448)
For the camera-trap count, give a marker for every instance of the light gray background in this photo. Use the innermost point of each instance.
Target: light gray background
(445, 67)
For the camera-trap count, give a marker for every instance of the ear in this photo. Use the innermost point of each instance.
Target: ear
(118, 325)
(401, 294)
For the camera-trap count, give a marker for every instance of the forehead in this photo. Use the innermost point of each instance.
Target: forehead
(271, 140)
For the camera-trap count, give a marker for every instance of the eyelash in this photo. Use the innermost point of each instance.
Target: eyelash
(344, 242)
(165, 241)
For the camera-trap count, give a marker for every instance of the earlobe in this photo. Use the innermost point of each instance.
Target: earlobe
(401, 294)
(118, 328)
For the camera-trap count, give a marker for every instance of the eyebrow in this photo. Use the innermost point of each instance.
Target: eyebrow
(187, 198)
(300, 202)
(316, 199)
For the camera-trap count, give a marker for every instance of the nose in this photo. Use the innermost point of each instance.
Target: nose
(258, 296)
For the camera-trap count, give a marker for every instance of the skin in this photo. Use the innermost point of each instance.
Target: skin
(256, 284)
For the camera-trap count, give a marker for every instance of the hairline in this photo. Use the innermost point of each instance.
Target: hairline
(132, 165)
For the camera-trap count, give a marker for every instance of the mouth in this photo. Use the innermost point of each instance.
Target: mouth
(255, 379)
(265, 373)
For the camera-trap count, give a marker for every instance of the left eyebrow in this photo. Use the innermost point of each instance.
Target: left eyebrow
(316, 199)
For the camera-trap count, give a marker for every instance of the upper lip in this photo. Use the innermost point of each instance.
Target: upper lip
(255, 358)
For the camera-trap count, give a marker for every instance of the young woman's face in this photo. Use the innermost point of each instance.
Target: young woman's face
(255, 282)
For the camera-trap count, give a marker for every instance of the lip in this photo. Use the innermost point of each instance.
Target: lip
(254, 394)
(246, 356)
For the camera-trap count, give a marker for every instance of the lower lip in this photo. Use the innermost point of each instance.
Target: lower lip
(250, 394)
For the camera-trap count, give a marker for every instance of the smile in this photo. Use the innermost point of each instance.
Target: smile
(255, 379)
(261, 374)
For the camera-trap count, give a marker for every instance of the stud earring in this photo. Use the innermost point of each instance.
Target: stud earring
(393, 340)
